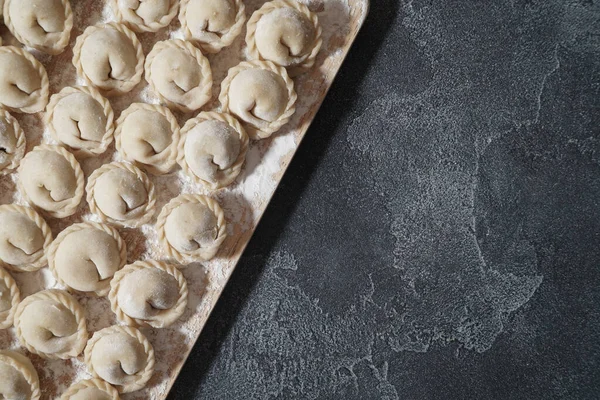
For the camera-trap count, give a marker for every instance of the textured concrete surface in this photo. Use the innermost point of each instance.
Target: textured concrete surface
(437, 235)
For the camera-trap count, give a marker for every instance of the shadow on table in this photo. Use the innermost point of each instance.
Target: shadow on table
(339, 100)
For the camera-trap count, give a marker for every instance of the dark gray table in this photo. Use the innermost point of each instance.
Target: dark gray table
(437, 235)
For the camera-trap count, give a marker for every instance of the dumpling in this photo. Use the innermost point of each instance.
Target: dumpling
(285, 32)
(19, 379)
(122, 194)
(24, 238)
(122, 356)
(12, 143)
(82, 119)
(23, 81)
(212, 24)
(51, 179)
(179, 74)
(51, 323)
(110, 57)
(145, 15)
(44, 25)
(85, 256)
(148, 135)
(91, 389)
(148, 293)
(10, 296)
(214, 149)
(191, 228)
(261, 95)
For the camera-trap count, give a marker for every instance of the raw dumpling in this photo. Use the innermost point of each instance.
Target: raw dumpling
(179, 74)
(145, 15)
(122, 194)
(285, 32)
(212, 24)
(23, 81)
(24, 237)
(18, 378)
(214, 149)
(110, 57)
(85, 256)
(82, 119)
(191, 228)
(51, 179)
(148, 135)
(44, 25)
(261, 95)
(91, 389)
(51, 323)
(12, 143)
(148, 293)
(122, 356)
(10, 296)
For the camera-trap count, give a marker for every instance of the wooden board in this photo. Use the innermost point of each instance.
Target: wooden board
(244, 202)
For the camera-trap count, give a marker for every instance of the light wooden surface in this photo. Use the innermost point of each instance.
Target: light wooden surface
(244, 202)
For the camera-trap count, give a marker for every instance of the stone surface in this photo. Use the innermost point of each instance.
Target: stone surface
(437, 235)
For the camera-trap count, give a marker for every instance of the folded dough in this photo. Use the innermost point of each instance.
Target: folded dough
(23, 81)
(285, 32)
(51, 323)
(24, 237)
(261, 94)
(148, 293)
(122, 356)
(12, 143)
(91, 389)
(82, 119)
(179, 74)
(214, 149)
(10, 296)
(191, 228)
(85, 256)
(44, 25)
(110, 57)
(145, 15)
(18, 378)
(148, 135)
(122, 194)
(51, 179)
(212, 24)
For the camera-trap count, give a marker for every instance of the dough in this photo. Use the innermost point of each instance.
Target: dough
(85, 256)
(261, 95)
(145, 15)
(179, 74)
(51, 179)
(23, 81)
(212, 24)
(214, 149)
(18, 378)
(285, 32)
(82, 119)
(10, 296)
(51, 323)
(110, 57)
(12, 143)
(148, 293)
(24, 237)
(122, 356)
(148, 135)
(122, 194)
(191, 228)
(44, 25)
(91, 389)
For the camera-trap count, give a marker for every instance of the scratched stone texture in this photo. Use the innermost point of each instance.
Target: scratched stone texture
(438, 233)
